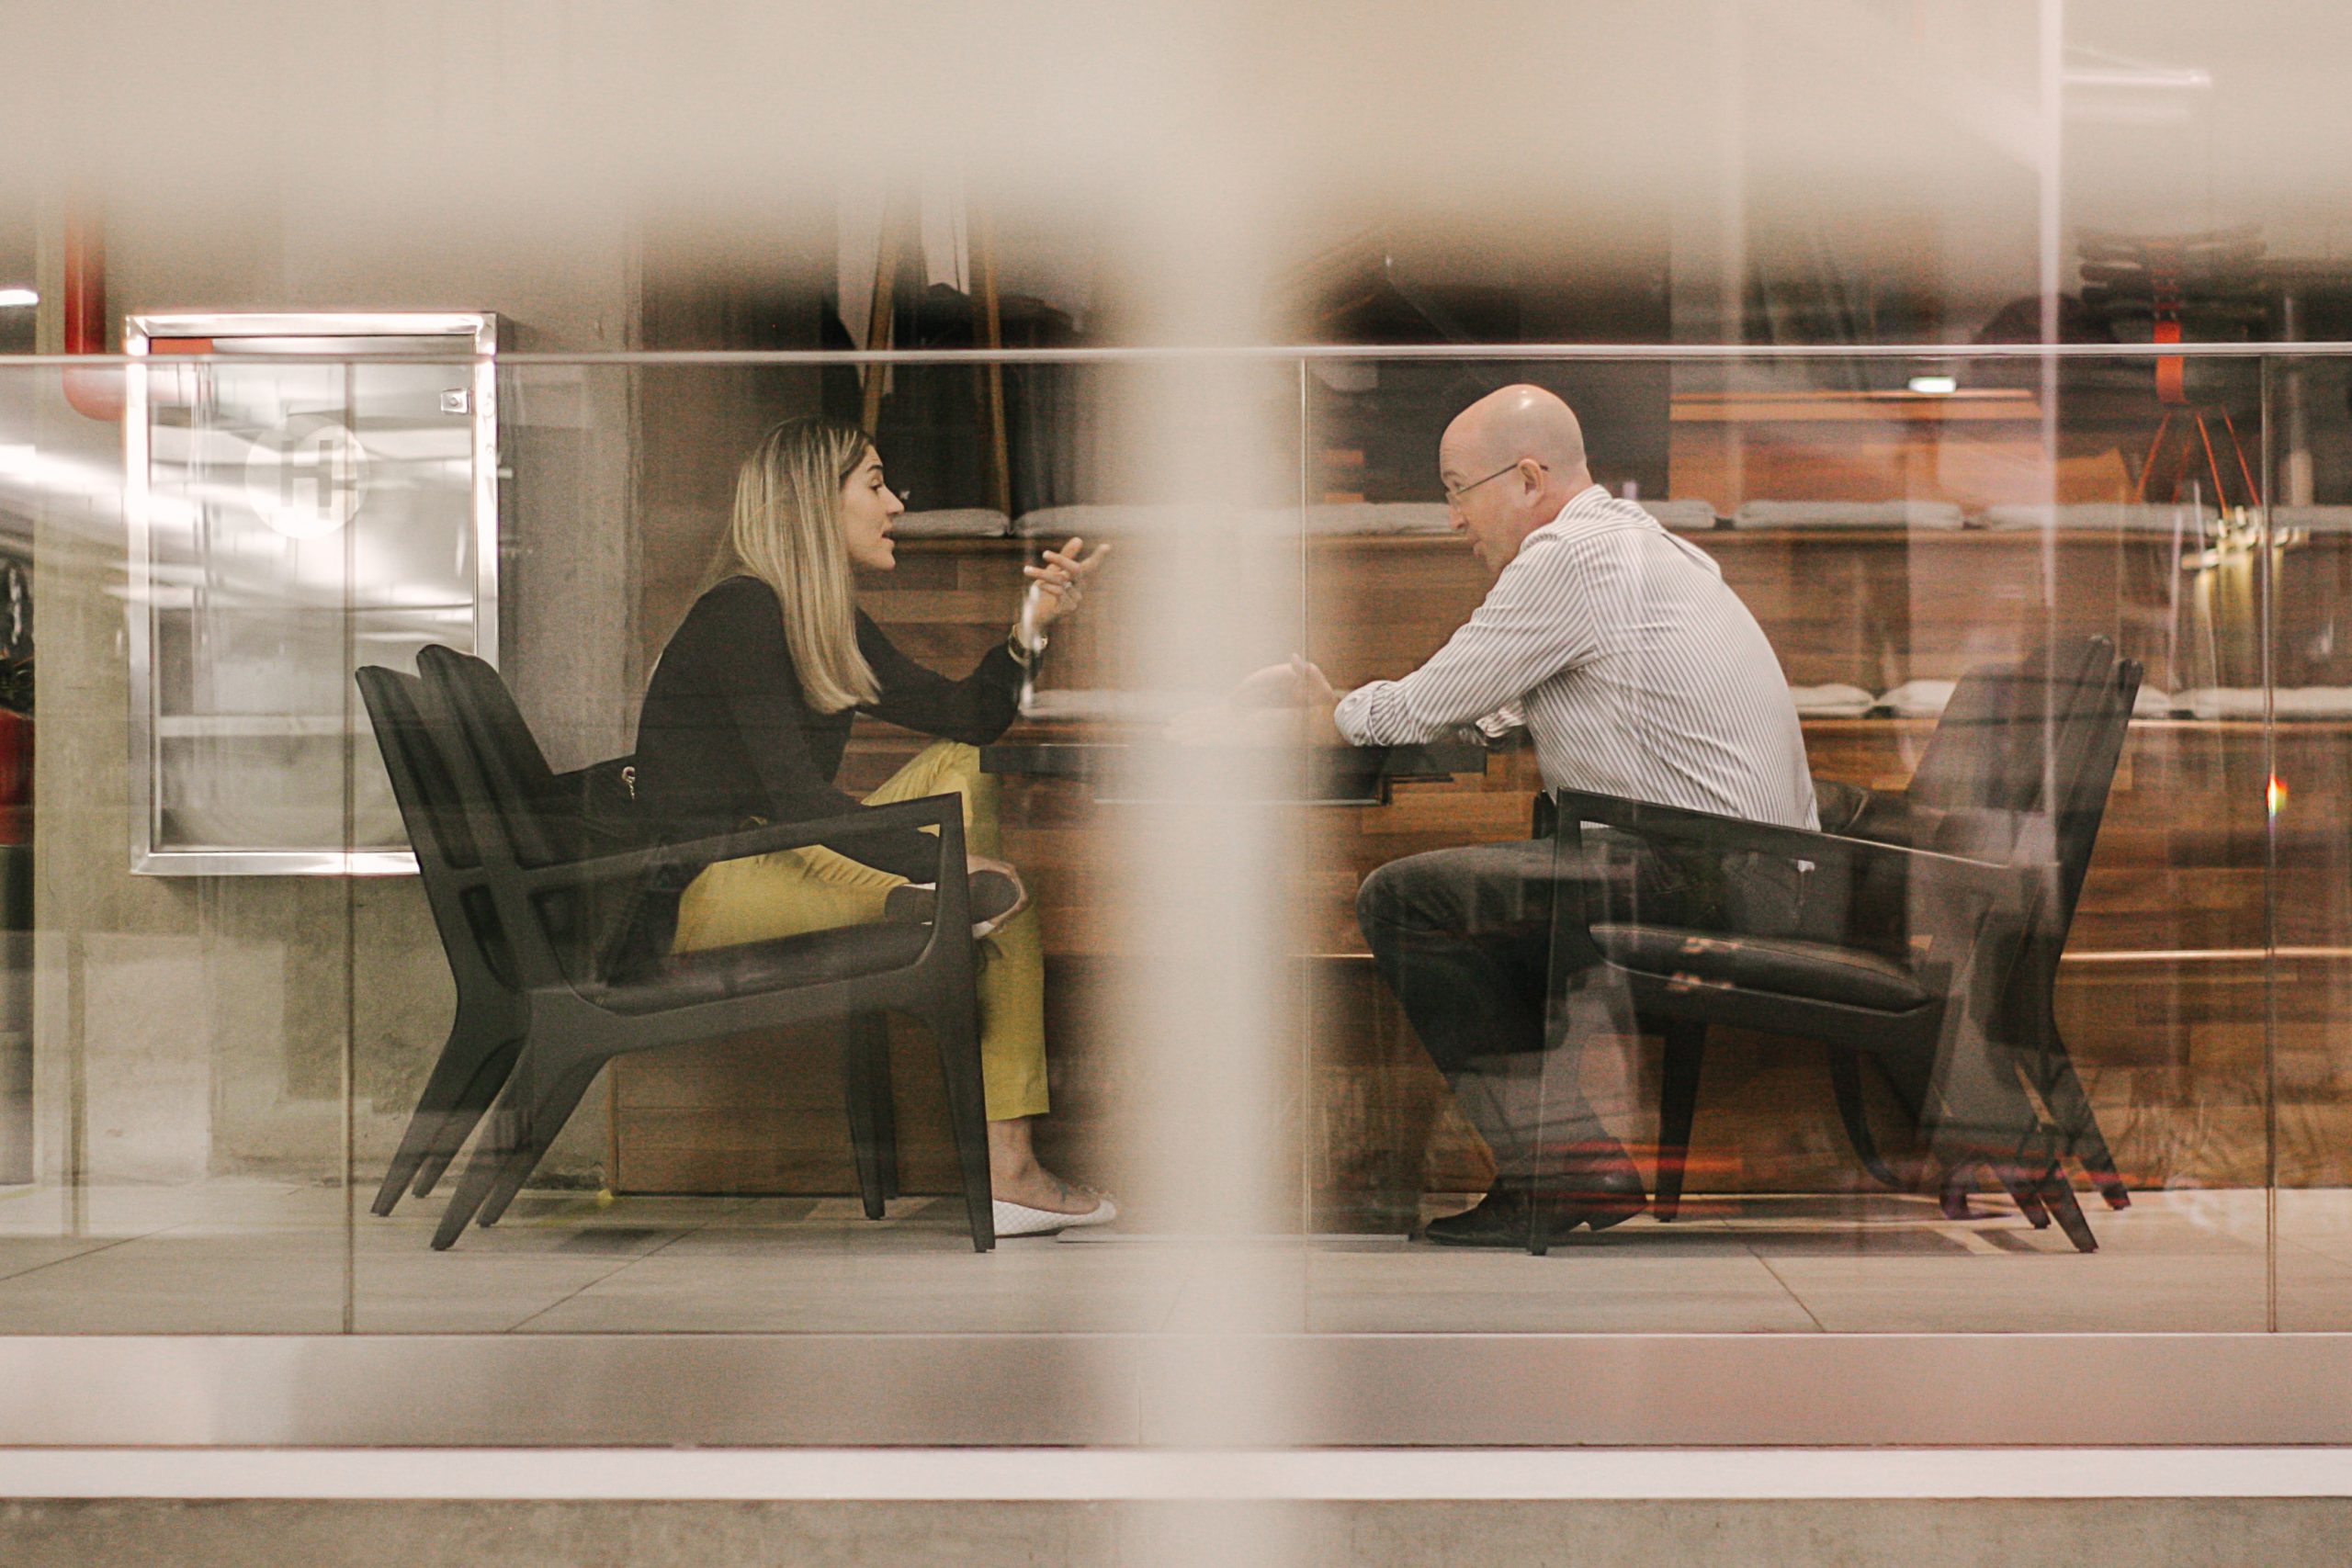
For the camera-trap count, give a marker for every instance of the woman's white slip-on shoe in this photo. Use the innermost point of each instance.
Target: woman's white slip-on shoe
(1019, 1219)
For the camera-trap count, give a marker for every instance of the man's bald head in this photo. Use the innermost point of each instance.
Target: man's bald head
(1511, 463)
(1518, 421)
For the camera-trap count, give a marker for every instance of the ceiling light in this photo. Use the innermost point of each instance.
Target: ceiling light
(1935, 386)
(9, 297)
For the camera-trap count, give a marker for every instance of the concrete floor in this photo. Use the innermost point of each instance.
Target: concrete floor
(1801, 1533)
(247, 1256)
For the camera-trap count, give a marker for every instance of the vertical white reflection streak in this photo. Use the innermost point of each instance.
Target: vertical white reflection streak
(1207, 1013)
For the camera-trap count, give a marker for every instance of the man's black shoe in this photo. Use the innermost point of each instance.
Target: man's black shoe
(1508, 1216)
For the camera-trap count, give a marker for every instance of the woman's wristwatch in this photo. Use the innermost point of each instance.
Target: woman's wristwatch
(1024, 654)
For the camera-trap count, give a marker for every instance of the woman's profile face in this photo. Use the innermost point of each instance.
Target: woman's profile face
(867, 509)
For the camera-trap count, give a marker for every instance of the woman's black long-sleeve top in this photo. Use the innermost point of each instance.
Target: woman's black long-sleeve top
(726, 733)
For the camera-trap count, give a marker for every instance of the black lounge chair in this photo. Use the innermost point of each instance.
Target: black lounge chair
(1931, 944)
(487, 1028)
(2071, 704)
(542, 910)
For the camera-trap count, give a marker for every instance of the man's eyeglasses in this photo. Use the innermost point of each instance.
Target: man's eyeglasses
(1454, 497)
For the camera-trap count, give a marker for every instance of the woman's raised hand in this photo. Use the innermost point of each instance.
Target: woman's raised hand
(1061, 581)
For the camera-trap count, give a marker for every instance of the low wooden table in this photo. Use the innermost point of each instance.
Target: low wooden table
(1326, 776)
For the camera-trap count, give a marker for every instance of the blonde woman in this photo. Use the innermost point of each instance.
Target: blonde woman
(747, 715)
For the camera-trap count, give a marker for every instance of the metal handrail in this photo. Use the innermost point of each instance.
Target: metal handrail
(1268, 353)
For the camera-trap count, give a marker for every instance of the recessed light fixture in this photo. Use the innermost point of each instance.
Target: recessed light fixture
(17, 297)
(1935, 386)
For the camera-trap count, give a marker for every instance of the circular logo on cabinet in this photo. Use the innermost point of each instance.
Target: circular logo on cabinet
(306, 475)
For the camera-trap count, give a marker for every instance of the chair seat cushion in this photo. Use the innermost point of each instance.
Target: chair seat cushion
(716, 972)
(1773, 965)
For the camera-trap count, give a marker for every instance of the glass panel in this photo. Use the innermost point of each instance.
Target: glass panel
(709, 1182)
(2304, 581)
(1996, 625)
(172, 1065)
(1954, 611)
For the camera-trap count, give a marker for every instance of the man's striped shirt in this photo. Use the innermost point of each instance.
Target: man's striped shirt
(1635, 668)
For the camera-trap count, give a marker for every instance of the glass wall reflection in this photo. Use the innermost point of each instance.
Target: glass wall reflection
(2301, 585)
(2018, 631)
(174, 1095)
(1983, 985)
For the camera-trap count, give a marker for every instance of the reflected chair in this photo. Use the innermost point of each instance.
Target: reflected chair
(488, 1025)
(540, 904)
(2042, 737)
(1972, 893)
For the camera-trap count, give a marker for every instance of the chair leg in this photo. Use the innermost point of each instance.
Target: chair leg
(545, 1121)
(501, 1139)
(1846, 1083)
(2026, 1195)
(1951, 1194)
(454, 1074)
(2070, 1106)
(2036, 1178)
(2058, 1196)
(1677, 1106)
(955, 1027)
(886, 1110)
(459, 1125)
(865, 1137)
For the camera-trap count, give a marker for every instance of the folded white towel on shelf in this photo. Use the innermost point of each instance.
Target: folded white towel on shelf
(1109, 521)
(1929, 514)
(2313, 519)
(1377, 519)
(1059, 523)
(1832, 700)
(1917, 699)
(2312, 702)
(2153, 702)
(954, 523)
(1688, 516)
(2286, 702)
(1362, 519)
(2097, 516)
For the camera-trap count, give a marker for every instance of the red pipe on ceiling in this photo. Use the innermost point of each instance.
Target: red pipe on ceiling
(97, 393)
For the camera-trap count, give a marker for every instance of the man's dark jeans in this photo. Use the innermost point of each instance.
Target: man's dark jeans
(1485, 947)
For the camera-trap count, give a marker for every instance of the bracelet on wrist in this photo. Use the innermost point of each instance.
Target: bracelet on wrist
(1024, 654)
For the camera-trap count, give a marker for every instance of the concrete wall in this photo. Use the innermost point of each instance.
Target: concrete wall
(196, 1025)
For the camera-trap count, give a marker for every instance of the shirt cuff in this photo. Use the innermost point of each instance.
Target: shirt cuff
(1354, 710)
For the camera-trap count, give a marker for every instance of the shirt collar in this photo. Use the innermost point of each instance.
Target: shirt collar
(1591, 504)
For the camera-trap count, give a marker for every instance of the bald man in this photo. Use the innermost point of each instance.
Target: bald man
(1636, 673)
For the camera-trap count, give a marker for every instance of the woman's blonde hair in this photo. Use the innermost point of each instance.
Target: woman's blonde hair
(788, 533)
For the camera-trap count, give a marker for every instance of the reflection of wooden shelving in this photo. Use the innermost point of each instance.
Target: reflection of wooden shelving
(2173, 996)
(1977, 447)
(1747, 409)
